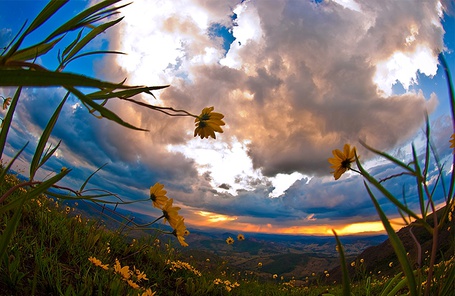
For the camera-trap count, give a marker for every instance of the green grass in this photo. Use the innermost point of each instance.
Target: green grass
(49, 256)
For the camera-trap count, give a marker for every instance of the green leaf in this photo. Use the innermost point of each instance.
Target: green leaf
(85, 18)
(398, 247)
(93, 53)
(91, 175)
(419, 181)
(33, 52)
(43, 16)
(11, 227)
(387, 156)
(384, 191)
(344, 268)
(10, 163)
(109, 94)
(451, 90)
(22, 77)
(7, 121)
(35, 163)
(102, 110)
(390, 283)
(89, 37)
(448, 282)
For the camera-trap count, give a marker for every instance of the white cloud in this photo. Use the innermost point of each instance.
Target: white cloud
(403, 67)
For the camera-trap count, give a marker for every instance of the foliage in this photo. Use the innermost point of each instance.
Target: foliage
(19, 68)
(422, 280)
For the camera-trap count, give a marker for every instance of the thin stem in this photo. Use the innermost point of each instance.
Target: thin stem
(161, 109)
(419, 248)
(11, 190)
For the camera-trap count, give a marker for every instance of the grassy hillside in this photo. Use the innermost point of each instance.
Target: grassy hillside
(58, 251)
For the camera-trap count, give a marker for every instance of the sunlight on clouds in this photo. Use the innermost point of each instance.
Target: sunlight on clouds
(214, 218)
(163, 43)
(229, 165)
(403, 67)
(281, 182)
(248, 28)
(351, 4)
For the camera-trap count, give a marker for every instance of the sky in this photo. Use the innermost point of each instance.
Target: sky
(294, 79)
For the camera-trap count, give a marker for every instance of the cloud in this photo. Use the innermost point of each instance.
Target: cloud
(300, 79)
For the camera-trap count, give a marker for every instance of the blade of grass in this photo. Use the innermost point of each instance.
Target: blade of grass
(10, 163)
(45, 14)
(35, 163)
(102, 110)
(384, 191)
(419, 181)
(387, 156)
(91, 175)
(22, 77)
(89, 37)
(33, 52)
(80, 20)
(390, 283)
(344, 268)
(452, 108)
(7, 121)
(398, 247)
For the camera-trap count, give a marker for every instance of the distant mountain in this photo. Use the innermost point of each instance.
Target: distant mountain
(290, 256)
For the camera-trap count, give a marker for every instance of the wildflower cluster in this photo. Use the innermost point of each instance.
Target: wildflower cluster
(133, 277)
(227, 284)
(175, 265)
(230, 240)
(170, 213)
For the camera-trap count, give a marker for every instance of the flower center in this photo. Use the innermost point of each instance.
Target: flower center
(346, 164)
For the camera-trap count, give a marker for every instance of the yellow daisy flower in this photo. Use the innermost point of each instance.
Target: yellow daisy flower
(208, 123)
(6, 103)
(341, 162)
(179, 232)
(133, 284)
(229, 240)
(148, 292)
(171, 213)
(240, 237)
(123, 271)
(158, 195)
(98, 262)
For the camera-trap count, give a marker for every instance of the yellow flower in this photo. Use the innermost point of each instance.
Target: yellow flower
(6, 103)
(353, 263)
(133, 284)
(240, 237)
(390, 264)
(275, 276)
(260, 264)
(229, 240)
(179, 232)
(171, 213)
(158, 195)
(147, 292)
(98, 262)
(341, 162)
(140, 275)
(208, 123)
(452, 141)
(123, 271)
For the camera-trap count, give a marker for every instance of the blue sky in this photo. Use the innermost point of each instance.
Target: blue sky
(295, 80)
